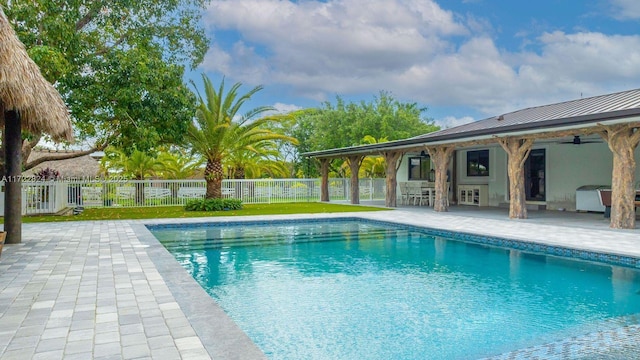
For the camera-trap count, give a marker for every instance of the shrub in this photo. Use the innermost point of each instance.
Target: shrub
(213, 205)
(47, 174)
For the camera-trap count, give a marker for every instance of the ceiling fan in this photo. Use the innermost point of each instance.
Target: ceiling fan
(577, 141)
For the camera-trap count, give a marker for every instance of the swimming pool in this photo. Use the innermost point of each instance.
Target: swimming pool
(361, 289)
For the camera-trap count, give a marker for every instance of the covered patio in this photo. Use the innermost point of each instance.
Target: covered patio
(570, 219)
(612, 119)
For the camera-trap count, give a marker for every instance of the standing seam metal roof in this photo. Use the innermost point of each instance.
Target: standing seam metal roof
(584, 111)
(626, 100)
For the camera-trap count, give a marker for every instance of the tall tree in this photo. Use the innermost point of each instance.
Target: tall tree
(119, 65)
(344, 124)
(219, 130)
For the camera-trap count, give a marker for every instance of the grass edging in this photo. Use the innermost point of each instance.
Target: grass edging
(163, 212)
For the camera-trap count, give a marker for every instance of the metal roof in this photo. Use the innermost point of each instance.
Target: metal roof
(576, 113)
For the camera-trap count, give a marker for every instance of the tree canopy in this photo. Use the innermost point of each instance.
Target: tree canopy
(347, 124)
(118, 65)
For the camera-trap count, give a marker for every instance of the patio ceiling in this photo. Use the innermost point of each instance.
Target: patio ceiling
(563, 119)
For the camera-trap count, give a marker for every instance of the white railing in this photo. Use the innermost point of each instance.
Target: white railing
(54, 196)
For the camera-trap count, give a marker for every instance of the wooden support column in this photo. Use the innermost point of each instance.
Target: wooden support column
(622, 139)
(13, 171)
(392, 164)
(354, 165)
(518, 151)
(441, 156)
(324, 182)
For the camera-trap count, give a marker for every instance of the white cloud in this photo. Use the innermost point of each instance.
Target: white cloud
(415, 49)
(626, 9)
(285, 108)
(346, 38)
(451, 121)
(241, 61)
(581, 63)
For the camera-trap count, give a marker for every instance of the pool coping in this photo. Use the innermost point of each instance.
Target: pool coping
(225, 340)
(593, 252)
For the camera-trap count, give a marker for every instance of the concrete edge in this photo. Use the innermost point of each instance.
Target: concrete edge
(220, 335)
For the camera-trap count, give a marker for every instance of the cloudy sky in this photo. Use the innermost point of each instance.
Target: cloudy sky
(463, 59)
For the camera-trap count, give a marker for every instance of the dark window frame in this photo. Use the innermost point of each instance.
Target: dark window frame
(424, 166)
(478, 163)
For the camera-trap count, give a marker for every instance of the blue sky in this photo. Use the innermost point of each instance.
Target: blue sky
(463, 59)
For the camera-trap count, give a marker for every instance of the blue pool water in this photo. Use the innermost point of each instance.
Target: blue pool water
(365, 290)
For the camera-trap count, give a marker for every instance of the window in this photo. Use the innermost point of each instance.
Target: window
(478, 163)
(419, 168)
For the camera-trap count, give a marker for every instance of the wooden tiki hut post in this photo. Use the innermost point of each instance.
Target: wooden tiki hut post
(354, 165)
(518, 151)
(392, 164)
(324, 182)
(12, 185)
(441, 156)
(622, 139)
(30, 103)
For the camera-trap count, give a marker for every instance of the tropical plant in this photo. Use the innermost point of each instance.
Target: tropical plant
(47, 174)
(373, 166)
(263, 159)
(213, 205)
(137, 166)
(219, 130)
(178, 164)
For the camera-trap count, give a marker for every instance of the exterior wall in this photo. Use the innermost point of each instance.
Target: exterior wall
(403, 171)
(496, 180)
(571, 166)
(567, 168)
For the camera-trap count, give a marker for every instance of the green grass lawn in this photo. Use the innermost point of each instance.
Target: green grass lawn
(115, 213)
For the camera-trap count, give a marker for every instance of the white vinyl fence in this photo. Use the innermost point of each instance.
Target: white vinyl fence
(54, 196)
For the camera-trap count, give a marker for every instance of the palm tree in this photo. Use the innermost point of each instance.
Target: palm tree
(137, 166)
(373, 166)
(216, 132)
(178, 164)
(263, 159)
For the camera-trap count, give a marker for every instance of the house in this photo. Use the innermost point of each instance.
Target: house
(86, 167)
(534, 157)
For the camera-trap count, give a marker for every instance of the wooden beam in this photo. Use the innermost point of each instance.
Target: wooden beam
(12, 180)
(441, 156)
(392, 164)
(324, 182)
(354, 165)
(622, 140)
(518, 151)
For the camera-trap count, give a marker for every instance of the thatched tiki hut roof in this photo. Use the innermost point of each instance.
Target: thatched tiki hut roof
(27, 101)
(24, 89)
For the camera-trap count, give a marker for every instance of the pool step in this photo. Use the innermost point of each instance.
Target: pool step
(279, 239)
(272, 239)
